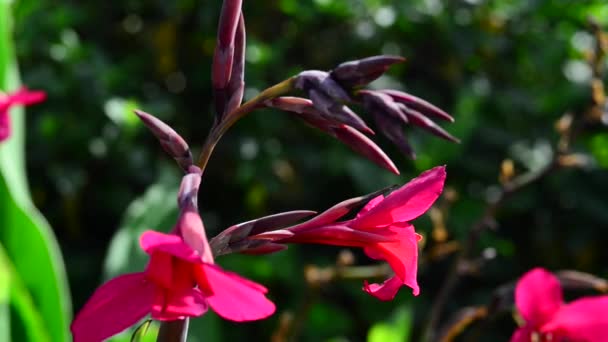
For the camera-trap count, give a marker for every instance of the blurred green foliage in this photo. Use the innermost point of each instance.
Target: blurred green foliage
(506, 70)
(34, 300)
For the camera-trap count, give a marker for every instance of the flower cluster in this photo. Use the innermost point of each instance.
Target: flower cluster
(382, 229)
(329, 94)
(539, 300)
(181, 280)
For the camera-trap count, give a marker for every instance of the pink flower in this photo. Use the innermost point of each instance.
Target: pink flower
(20, 97)
(181, 280)
(382, 228)
(538, 298)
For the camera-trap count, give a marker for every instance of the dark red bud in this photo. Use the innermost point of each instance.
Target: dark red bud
(365, 146)
(171, 142)
(416, 118)
(418, 103)
(337, 112)
(363, 71)
(382, 104)
(393, 130)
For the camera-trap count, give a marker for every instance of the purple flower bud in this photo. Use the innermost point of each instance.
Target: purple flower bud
(337, 211)
(224, 51)
(363, 71)
(265, 248)
(171, 142)
(351, 137)
(416, 118)
(236, 85)
(392, 129)
(381, 103)
(365, 146)
(228, 240)
(187, 197)
(291, 104)
(417, 103)
(321, 81)
(337, 112)
(309, 79)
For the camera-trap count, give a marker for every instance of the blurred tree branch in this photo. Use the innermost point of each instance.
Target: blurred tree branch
(569, 126)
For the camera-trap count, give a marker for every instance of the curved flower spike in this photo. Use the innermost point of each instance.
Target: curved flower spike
(382, 228)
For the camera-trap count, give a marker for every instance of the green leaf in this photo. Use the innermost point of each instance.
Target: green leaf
(19, 318)
(599, 148)
(141, 333)
(144, 332)
(40, 268)
(396, 329)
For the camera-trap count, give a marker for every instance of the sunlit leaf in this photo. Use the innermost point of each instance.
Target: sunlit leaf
(40, 269)
(398, 328)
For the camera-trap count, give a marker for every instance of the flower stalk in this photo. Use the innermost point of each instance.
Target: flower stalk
(218, 130)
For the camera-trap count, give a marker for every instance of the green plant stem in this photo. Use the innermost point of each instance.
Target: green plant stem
(173, 331)
(220, 129)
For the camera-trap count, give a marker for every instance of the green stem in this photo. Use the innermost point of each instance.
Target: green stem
(219, 130)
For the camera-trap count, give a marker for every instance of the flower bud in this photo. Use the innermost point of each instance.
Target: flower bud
(170, 140)
(363, 71)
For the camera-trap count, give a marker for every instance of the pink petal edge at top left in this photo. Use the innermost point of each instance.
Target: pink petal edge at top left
(113, 307)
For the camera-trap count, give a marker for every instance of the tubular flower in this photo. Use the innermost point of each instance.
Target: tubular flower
(382, 228)
(181, 280)
(539, 300)
(21, 97)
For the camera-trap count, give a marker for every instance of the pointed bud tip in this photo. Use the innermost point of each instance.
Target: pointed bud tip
(140, 113)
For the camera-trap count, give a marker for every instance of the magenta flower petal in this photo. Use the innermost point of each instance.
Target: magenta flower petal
(406, 203)
(584, 319)
(385, 291)
(523, 334)
(235, 298)
(190, 227)
(160, 270)
(114, 306)
(26, 97)
(171, 305)
(341, 235)
(538, 296)
(5, 125)
(401, 254)
(152, 241)
(374, 202)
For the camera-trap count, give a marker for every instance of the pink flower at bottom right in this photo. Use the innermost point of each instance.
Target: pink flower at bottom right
(539, 300)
